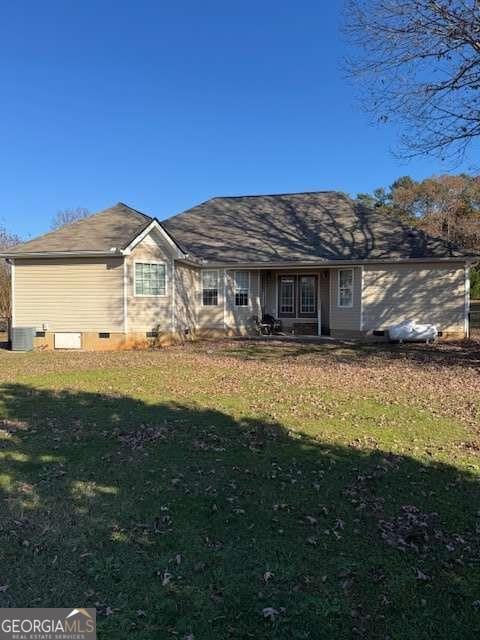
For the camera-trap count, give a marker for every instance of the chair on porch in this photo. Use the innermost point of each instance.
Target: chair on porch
(274, 324)
(261, 328)
(258, 327)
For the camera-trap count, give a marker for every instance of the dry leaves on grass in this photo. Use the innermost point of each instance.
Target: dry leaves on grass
(145, 434)
(415, 530)
(442, 379)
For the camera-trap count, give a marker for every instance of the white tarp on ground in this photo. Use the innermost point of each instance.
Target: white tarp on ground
(410, 331)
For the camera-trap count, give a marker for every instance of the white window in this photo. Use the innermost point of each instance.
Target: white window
(150, 279)
(345, 288)
(242, 283)
(210, 288)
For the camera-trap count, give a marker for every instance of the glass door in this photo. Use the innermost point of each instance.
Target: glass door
(297, 296)
(287, 296)
(307, 298)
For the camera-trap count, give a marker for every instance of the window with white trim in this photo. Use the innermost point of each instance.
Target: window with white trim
(242, 284)
(345, 288)
(210, 288)
(150, 279)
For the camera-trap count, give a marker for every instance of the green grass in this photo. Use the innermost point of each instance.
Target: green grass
(185, 492)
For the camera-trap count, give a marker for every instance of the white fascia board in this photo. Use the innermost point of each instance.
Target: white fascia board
(62, 254)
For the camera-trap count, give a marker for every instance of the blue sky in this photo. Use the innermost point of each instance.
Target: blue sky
(165, 104)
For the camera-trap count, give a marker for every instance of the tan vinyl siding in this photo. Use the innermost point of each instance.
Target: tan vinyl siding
(238, 318)
(75, 294)
(186, 286)
(210, 316)
(424, 292)
(150, 313)
(345, 318)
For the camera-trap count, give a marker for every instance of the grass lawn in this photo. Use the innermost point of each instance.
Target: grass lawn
(245, 490)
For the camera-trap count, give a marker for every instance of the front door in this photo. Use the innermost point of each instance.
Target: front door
(307, 296)
(287, 297)
(297, 296)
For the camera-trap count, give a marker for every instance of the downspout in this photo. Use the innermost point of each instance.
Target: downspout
(173, 297)
(125, 296)
(12, 293)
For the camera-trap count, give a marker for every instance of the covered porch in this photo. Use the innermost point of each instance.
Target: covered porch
(307, 301)
(300, 300)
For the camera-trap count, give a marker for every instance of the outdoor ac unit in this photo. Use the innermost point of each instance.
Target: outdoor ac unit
(22, 338)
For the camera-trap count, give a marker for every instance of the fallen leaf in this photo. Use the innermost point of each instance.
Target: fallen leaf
(166, 578)
(421, 576)
(270, 612)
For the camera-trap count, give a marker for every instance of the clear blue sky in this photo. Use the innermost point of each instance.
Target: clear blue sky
(163, 104)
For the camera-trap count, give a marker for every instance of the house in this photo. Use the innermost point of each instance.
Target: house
(318, 261)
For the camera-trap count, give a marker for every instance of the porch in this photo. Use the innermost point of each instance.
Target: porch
(308, 301)
(299, 299)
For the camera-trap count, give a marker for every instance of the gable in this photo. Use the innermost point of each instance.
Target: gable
(155, 233)
(152, 244)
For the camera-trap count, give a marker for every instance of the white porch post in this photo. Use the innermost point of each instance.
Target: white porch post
(467, 300)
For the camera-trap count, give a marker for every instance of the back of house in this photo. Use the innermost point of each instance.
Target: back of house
(318, 262)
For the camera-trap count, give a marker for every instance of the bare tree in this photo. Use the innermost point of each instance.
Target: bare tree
(67, 216)
(418, 63)
(6, 240)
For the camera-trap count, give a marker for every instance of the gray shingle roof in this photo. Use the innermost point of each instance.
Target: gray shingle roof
(318, 226)
(113, 227)
(307, 227)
